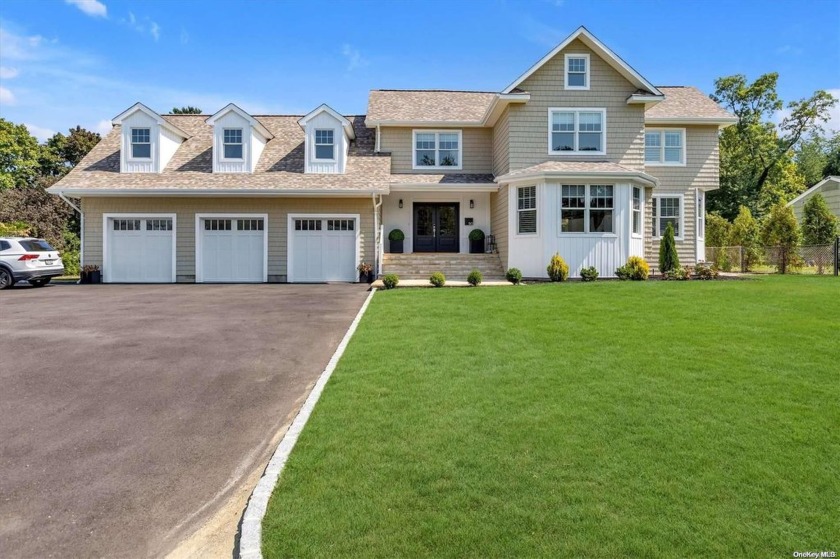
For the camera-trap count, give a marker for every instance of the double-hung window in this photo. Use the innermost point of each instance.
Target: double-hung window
(667, 209)
(577, 71)
(437, 150)
(637, 210)
(141, 143)
(324, 144)
(586, 208)
(577, 131)
(665, 147)
(526, 209)
(232, 143)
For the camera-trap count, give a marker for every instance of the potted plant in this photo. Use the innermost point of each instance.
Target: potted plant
(365, 272)
(476, 241)
(396, 236)
(90, 274)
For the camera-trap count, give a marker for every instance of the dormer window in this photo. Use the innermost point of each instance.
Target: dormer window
(232, 143)
(577, 71)
(141, 143)
(325, 145)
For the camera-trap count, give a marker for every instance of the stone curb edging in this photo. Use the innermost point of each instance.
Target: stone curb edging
(250, 540)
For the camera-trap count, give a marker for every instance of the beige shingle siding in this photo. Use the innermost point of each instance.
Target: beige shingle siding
(477, 152)
(501, 144)
(185, 209)
(686, 249)
(608, 89)
(499, 222)
(830, 192)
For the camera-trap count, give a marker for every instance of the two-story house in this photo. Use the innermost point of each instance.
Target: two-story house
(579, 155)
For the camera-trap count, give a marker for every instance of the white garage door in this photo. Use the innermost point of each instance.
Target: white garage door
(323, 249)
(232, 249)
(139, 250)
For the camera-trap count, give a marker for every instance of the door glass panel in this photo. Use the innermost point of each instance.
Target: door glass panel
(448, 225)
(425, 221)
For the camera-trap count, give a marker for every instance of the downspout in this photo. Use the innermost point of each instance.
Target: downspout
(376, 232)
(81, 227)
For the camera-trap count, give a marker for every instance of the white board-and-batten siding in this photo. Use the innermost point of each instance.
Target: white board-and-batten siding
(325, 121)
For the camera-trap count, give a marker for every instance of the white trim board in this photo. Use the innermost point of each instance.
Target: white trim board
(200, 216)
(106, 265)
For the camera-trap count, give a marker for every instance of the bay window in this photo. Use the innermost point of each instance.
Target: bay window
(637, 210)
(437, 150)
(667, 209)
(586, 208)
(581, 131)
(526, 209)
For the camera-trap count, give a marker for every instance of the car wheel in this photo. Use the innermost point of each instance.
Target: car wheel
(6, 279)
(39, 282)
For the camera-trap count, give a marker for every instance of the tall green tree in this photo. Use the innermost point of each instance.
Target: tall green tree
(668, 258)
(779, 229)
(61, 153)
(188, 110)
(19, 153)
(745, 233)
(755, 154)
(819, 225)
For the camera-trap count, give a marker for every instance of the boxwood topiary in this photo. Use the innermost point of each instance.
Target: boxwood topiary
(390, 281)
(476, 235)
(514, 276)
(437, 279)
(396, 235)
(474, 278)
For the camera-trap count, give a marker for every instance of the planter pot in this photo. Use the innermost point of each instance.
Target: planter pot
(95, 277)
(397, 247)
(365, 278)
(84, 277)
(477, 247)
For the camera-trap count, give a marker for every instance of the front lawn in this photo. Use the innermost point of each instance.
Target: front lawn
(612, 419)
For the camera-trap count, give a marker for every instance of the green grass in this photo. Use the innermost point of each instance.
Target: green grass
(658, 419)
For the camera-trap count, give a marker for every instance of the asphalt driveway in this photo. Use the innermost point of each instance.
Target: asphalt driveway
(126, 410)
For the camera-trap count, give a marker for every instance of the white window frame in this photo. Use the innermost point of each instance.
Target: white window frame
(657, 209)
(640, 211)
(315, 145)
(587, 207)
(131, 144)
(199, 274)
(536, 209)
(661, 162)
(700, 210)
(242, 143)
(566, 71)
(107, 217)
(577, 111)
(437, 134)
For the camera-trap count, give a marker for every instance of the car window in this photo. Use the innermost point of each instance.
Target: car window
(5, 245)
(36, 245)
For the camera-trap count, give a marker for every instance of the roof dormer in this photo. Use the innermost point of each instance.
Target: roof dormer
(238, 140)
(148, 140)
(328, 136)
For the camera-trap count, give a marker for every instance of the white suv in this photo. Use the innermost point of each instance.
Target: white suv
(33, 260)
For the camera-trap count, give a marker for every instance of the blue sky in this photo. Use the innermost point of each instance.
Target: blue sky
(69, 62)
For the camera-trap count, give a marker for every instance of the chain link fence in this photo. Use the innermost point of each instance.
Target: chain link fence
(818, 259)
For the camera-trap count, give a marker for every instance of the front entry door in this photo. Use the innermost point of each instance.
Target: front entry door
(436, 228)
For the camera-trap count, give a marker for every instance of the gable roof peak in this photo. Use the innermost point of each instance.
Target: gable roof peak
(599, 48)
(324, 108)
(151, 114)
(233, 107)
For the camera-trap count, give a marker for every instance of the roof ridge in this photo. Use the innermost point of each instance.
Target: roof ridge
(439, 90)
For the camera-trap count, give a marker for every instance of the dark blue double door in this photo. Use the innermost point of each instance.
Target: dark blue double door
(436, 227)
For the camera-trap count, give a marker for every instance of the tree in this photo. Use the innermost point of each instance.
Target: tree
(745, 233)
(819, 225)
(832, 164)
(718, 230)
(18, 155)
(755, 151)
(61, 153)
(780, 229)
(668, 258)
(188, 110)
(46, 215)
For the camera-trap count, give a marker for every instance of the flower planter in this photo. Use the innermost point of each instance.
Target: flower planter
(366, 277)
(397, 247)
(476, 247)
(95, 277)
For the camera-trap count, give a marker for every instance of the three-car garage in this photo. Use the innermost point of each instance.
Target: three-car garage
(230, 248)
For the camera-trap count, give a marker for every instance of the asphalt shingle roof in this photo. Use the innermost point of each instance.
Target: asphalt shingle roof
(428, 105)
(686, 102)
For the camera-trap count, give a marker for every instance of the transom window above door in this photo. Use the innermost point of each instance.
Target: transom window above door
(577, 71)
(437, 150)
(577, 131)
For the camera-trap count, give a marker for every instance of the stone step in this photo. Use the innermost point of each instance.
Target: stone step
(456, 267)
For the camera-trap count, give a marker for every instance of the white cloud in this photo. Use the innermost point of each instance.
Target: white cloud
(6, 96)
(103, 127)
(154, 29)
(144, 26)
(43, 134)
(354, 58)
(93, 8)
(7, 72)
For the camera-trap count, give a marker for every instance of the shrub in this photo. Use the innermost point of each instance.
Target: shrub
(680, 274)
(396, 235)
(514, 276)
(557, 269)
(476, 235)
(390, 281)
(474, 278)
(819, 226)
(780, 229)
(668, 259)
(705, 271)
(745, 233)
(437, 279)
(589, 274)
(635, 269)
